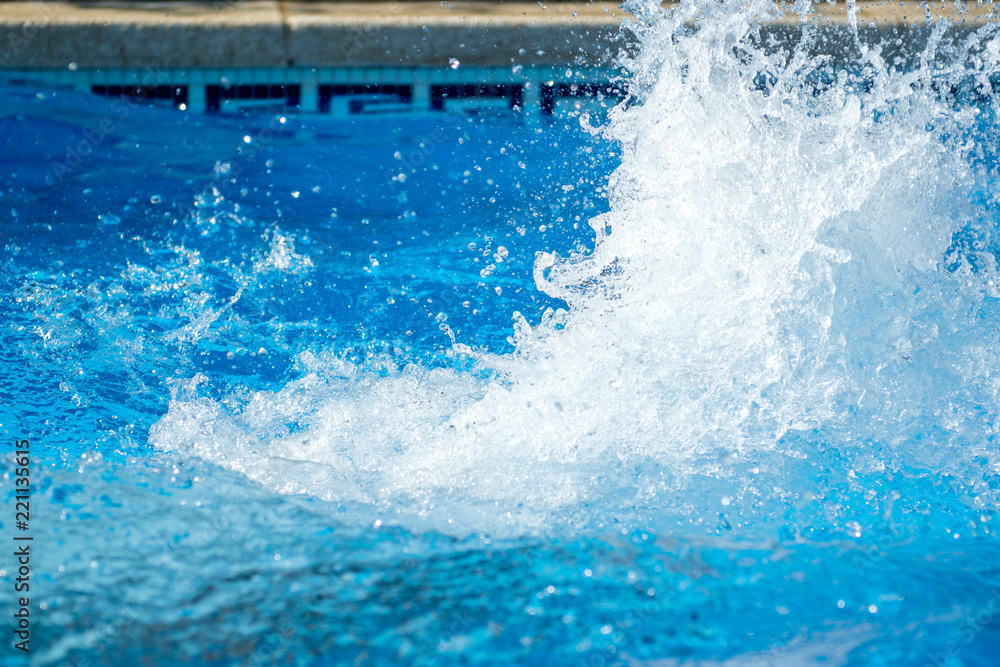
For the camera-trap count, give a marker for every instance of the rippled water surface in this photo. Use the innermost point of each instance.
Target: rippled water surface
(709, 379)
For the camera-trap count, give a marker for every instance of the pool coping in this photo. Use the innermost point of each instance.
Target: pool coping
(345, 58)
(272, 33)
(284, 33)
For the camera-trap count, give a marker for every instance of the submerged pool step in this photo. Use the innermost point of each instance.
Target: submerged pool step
(534, 91)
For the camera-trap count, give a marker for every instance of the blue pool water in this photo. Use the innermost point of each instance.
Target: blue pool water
(715, 383)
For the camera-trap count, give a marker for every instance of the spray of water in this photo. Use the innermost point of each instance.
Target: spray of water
(797, 262)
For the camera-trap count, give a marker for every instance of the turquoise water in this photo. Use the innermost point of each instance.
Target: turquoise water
(710, 379)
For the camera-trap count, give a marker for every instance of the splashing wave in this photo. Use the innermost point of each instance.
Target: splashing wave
(797, 274)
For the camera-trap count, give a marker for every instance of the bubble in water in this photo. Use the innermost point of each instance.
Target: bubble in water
(785, 280)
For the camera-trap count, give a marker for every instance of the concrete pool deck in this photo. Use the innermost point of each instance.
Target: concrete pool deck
(283, 33)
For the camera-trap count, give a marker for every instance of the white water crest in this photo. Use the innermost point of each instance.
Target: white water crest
(798, 250)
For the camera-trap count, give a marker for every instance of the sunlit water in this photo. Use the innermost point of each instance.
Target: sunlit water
(712, 379)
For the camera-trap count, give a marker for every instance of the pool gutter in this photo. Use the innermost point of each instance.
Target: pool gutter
(102, 44)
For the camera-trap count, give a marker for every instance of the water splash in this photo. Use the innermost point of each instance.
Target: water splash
(797, 273)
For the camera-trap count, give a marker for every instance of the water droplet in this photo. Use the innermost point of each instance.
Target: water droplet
(453, 63)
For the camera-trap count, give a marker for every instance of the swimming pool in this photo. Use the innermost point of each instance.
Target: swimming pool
(713, 384)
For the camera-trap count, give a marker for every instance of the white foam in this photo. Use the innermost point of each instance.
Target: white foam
(772, 262)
